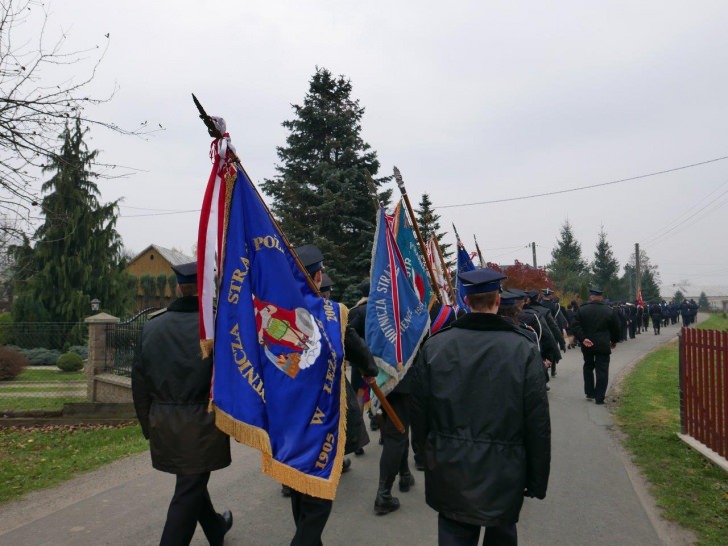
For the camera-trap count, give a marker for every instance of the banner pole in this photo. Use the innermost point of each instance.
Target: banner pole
(405, 198)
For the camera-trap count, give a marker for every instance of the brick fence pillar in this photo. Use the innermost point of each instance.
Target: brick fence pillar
(97, 326)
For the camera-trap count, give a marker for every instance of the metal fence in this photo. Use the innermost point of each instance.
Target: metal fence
(704, 387)
(121, 343)
(47, 335)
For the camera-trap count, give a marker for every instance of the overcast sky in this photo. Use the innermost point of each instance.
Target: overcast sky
(473, 101)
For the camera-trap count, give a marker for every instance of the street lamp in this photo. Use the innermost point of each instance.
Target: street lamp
(95, 304)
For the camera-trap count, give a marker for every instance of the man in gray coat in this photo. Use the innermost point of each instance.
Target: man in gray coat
(171, 386)
(480, 415)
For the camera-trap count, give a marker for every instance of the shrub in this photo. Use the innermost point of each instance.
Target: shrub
(41, 356)
(70, 362)
(11, 363)
(81, 350)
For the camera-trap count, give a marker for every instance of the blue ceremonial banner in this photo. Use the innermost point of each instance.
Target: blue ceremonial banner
(278, 383)
(397, 320)
(464, 264)
(410, 249)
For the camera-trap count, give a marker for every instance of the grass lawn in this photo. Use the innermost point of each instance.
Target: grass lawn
(55, 388)
(61, 384)
(692, 491)
(41, 403)
(45, 375)
(39, 457)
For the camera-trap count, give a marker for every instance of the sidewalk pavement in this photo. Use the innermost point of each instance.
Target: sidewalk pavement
(595, 496)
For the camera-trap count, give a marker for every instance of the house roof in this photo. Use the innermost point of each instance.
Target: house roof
(174, 257)
(693, 291)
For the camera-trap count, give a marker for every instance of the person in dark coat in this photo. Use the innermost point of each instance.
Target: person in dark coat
(547, 318)
(480, 414)
(171, 386)
(597, 328)
(656, 316)
(310, 513)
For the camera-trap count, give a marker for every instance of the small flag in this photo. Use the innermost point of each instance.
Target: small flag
(397, 320)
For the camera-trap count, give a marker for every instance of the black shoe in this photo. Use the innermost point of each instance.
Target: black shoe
(285, 491)
(548, 388)
(385, 502)
(373, 422)
(599, 401)
(227, 518)
(553, 373)
(359, 452)
(227, 523)
(590, 397)
(405, 482)
(347, 465)
(420, 466)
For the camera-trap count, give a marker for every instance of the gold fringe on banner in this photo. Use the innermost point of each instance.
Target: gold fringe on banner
(206, 346)
(243, 432)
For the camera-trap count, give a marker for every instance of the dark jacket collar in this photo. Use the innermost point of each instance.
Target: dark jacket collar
(186, 304)
(484, 322)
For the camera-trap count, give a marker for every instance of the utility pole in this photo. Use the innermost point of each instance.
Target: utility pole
(637, 273)
(533, 249)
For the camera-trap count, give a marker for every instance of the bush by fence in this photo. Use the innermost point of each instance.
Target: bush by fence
(11, 363)
(70, 362)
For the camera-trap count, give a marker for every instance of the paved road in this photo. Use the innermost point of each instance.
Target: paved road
(595, 496)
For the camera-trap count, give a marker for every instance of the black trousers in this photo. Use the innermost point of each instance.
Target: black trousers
(395, 446)
(456, 533)
(191, 503)
(596, 365)
(310, 515)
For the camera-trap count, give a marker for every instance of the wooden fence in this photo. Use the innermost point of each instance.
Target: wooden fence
(704, 387)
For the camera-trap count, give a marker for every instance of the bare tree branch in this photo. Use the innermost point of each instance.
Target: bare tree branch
(38, 98)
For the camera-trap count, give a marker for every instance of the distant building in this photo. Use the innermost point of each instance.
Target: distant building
(155, 261)
(717, 295)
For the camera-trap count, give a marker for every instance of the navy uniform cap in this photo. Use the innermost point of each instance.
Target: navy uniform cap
(518, 292)
(533, 294)
(547, 291)
(509, 297)
(186, 273)
(595, 291)
(326, 283)
(311, 257)
(481, 281)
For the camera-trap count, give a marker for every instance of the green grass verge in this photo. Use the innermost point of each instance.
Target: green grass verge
(40, 457)
(41, 403)
(52, 389)
(692, 491)
(715, 322)
(30, 374)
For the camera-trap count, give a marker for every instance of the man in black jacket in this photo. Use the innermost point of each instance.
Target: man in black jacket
(171, 385)
(597, 328)
(480, 414)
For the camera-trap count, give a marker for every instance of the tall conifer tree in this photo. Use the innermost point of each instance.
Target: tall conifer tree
(568, 270)
(320, 194)
(78, 252)
(429, 224)
(605, 267)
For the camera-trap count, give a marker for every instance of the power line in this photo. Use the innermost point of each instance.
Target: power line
(663, 237)
(681, 218)
(158, 213)
(583, 187)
